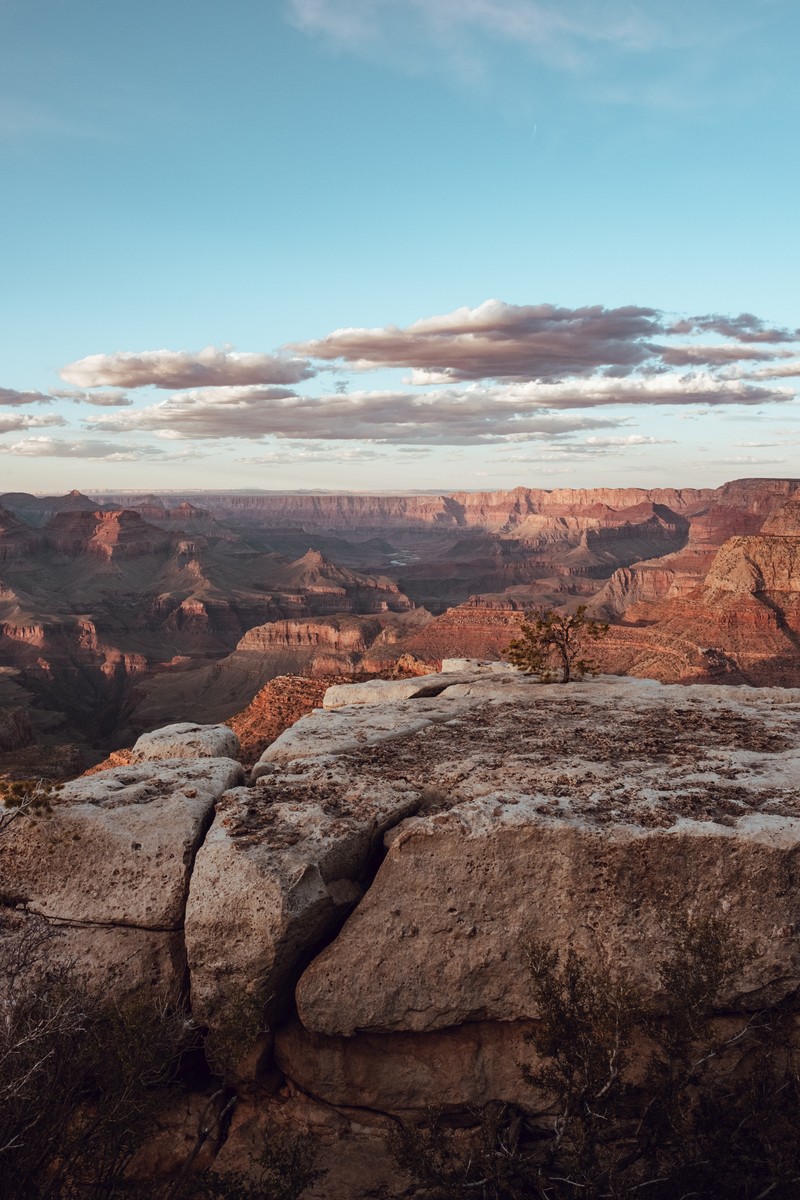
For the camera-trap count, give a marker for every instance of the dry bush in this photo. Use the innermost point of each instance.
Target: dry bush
(712, 1117)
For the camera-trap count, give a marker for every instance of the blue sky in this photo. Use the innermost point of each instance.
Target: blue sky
(196, 197)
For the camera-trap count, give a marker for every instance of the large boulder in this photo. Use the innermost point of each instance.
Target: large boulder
(277, 873)
(597, 816)
(186, 740)
(108, 869)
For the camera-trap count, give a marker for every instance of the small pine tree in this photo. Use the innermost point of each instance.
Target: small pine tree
(552, 641)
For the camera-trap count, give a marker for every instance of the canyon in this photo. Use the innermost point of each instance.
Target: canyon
(117, 612)
(325, 821)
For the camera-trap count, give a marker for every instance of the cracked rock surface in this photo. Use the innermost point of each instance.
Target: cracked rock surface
(281, 866)
(371, 894)
(109, 868)
(187, 740)
(593, 816)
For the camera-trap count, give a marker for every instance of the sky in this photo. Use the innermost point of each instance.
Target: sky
(398, 245)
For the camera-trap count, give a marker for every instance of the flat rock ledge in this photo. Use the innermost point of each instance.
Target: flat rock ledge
(596, 816)
(186, 740)
(593, 815)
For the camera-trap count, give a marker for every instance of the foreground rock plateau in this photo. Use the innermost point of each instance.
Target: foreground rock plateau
(370, 892)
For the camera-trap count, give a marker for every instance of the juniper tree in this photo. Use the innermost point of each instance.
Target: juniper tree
(551, 641)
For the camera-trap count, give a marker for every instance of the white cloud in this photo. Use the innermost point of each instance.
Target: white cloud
(210, 367)
(12, 398)
(499, 340)
(110, 399)
(10, 423)
(547, 343)
(47, 447)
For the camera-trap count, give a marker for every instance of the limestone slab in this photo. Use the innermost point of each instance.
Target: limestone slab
(276, 874)
(186, 740)
(117, 848)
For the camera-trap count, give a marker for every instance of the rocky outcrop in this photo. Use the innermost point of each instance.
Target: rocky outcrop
(273, 709)
(756, 565)
(338, 634)
(37, 510)
(370, 896)
(786, 519)
(186, 740)
(108, 869)
(16, 539)
(278, 871)
(545, 816)
(108, 535)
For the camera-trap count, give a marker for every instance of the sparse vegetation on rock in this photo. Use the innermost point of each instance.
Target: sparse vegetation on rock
(84, 1082)
(665, 1107)
(80, 1081)
(22, 798)
(552, 642)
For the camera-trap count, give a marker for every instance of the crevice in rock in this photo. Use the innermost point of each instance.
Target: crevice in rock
(202, 834)
(286, 1009)
(77, 923)
(435, 689)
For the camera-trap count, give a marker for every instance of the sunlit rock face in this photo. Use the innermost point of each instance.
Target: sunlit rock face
(588, 815)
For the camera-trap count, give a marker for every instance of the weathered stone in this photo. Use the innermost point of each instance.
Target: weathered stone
(341, 731)
(109, 962)
(114, 962)
(186, 740)
(583, 829)
(476, 666)
(382, 691)
(275, 876)
(118, 847)
(407, 1072)
(460, 895)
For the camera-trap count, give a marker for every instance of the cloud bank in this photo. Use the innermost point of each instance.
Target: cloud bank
(446, 416)
(546, 343)
(442, 417)
(496, 373)
(47, 447)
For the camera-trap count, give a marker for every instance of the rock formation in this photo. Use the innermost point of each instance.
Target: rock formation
(372, 890)
(118, 615)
